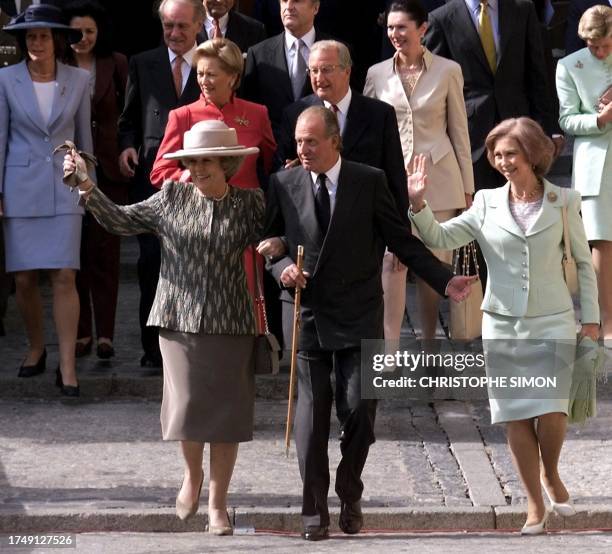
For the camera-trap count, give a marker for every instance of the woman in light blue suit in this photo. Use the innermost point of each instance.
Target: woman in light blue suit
(582, 80)
(520, 231)
(42, 104)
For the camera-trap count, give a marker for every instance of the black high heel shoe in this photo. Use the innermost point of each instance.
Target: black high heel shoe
(66, 390)
(36, 369)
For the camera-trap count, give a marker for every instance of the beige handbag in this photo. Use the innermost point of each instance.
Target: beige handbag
(466, 316)
(570, 271)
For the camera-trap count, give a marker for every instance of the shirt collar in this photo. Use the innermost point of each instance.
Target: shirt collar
(344, 104)
(308, 38)
(332, 174)
(187, 56)
(474, 5)
(222, 21)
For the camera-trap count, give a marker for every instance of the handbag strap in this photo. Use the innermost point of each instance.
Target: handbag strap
(259, 297)
(465, 253)
(566, 238)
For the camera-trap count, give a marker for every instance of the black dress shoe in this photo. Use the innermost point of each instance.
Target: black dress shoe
(71, 391)
(151, 360)
(82, 348)
(105, 350)
(36, 369)
(315, 533)
(351, 518)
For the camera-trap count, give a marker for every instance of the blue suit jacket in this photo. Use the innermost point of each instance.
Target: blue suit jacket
(31, 175)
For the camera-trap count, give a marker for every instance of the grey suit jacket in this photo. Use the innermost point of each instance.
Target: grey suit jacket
(30, 174)
(202, 283)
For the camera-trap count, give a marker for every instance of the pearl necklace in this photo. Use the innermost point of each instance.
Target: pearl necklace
(218, 199)
(527, 196)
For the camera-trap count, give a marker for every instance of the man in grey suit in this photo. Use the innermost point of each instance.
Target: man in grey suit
(152, 91)
(222, 21)
(343, 214)
(512, 83)
(275, 71)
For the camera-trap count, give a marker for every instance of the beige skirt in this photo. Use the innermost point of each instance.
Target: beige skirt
(209, 387)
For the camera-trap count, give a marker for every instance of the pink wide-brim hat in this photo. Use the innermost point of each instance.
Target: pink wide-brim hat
(211, 138)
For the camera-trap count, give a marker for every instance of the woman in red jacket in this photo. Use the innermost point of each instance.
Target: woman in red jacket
(219, 64)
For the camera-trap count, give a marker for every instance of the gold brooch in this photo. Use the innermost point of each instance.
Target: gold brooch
(552, 196)
(243, 121)
(579, 64)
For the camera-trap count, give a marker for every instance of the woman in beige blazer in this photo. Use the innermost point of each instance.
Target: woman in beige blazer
(427, 93)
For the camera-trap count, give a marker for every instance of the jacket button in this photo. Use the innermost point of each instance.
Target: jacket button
(524, 276)
(46, 139)
(524, 287)
(47, 159)
(524, 264)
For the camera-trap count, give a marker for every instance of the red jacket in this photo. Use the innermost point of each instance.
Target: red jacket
(252, 126)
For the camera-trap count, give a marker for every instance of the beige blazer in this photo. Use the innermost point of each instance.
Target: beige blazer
(432, 121)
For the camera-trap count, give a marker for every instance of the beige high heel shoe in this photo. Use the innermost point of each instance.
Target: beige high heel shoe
(183, 510)
(221, 530)
(565, 509)
(536, 528)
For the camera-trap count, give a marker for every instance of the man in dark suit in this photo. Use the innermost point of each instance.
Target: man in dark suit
(368, 126)
(343, 214)
(275, 72)
(223, 21)
(513, 82)
(574, 12)
(159, 80)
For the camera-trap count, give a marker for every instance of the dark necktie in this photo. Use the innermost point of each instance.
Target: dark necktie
(323, 208)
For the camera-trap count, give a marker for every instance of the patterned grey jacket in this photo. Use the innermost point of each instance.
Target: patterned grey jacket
(202, 283)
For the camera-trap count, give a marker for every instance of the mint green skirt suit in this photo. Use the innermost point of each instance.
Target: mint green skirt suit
(526, 303)
(581, 80)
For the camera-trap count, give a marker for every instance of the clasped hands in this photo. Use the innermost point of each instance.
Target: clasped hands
(74, 163)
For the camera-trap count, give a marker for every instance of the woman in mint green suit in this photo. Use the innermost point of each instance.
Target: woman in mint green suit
(582, 79)
(527, 306)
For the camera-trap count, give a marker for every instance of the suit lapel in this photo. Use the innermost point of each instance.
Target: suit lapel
(346, 194)
(304, 199)
(24, 92)
(506, 26)
(502, 217)
(62, 94)
(549, 214)
(356, 124)
(395, 84)
(105, 67)
(468, 33)
(160, 72)
(278, 60)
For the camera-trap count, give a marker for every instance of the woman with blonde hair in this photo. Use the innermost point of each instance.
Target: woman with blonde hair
(584, 86)
(219, 64)
(528, 322)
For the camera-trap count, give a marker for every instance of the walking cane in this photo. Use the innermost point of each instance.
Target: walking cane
(294, 345)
